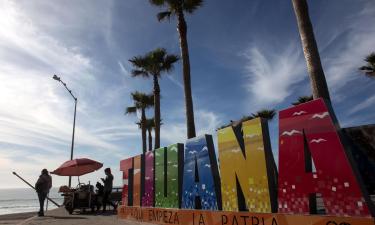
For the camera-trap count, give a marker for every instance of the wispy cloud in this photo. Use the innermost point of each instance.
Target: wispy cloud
(206, 123)
(115, 133)
(176, 82)
(271, 73)
(343, 61)
(36, 112)
(363, 105)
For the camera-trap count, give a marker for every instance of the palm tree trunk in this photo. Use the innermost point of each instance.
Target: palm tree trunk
(310, 50)
(143, 127)
(157, 111)
(149, 139)
(182, 30)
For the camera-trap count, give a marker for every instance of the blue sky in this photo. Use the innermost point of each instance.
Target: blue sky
(245, 56)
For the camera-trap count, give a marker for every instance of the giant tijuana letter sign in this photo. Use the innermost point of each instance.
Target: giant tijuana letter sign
(307, 130)
(201, 177)
(243, 168)
(126, 166)
(314, 158)
(167, 173)
(148, 179)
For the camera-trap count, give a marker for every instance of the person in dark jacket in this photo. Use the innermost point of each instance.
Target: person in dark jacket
(42, 187)
(99, 195)
(108, 184)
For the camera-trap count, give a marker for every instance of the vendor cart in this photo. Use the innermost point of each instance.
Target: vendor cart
(83, 196)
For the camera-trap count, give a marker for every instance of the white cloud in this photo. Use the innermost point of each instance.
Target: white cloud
(36, 112)
(343, 63)
(272, 72)
(206, 123)
(114, 133)
(176, 82)
(363, 105)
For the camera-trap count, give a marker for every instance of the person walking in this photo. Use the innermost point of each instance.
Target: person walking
(108, 185)
(42, 187)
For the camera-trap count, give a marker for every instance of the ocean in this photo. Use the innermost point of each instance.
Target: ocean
(24, 200)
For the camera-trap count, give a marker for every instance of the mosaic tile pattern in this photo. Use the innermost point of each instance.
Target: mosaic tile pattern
(311, 124)
(125, 166)
(148, 195)
(170, 198)
(137, 180)
(197, 154)
(250, 169)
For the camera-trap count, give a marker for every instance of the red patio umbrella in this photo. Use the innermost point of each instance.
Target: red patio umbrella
(77, 167)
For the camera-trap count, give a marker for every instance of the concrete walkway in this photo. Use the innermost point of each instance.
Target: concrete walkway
(61, 217)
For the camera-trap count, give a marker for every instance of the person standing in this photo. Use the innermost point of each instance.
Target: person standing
(108, 185)
(42, 187)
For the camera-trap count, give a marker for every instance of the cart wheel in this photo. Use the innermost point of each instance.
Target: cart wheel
(69, 208)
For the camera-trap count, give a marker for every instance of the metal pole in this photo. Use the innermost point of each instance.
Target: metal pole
(74, 126)
(34, 188)
(55, 77)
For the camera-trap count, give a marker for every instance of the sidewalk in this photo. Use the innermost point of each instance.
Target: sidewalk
(61, 217)
(15, 218)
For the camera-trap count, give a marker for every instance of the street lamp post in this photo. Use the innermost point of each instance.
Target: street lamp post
(55, 77)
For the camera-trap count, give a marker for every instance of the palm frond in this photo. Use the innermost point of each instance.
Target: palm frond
(169, 61)
(190, 6)
(365, 68)
(157, 2)
(142, 100)
(369, 68)
(153, 63)
(265, 113)
(137, 73)
(157, 55)
(303, 99)
(131, 110)
(371, 58)
(164, 15)
(139, 61)
(149, 101)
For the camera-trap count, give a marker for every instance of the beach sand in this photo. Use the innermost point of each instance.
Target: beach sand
(61, 217)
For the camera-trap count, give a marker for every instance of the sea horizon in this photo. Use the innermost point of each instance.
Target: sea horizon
(21, 200)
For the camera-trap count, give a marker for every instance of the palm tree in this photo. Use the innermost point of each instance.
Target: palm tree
(310, 50)
(142, 101)
(265, 114)
(369, 68)
(178, 8)
(152, 65)
(303, 99)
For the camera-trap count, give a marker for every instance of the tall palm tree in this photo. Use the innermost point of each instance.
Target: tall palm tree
(310, 50)
(152, 65)
(265, 114)
(177, 8)
(303, 99)
(142, 101)
(369, 68)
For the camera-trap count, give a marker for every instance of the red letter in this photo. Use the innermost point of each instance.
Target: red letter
(125, 166)
(305, 129)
